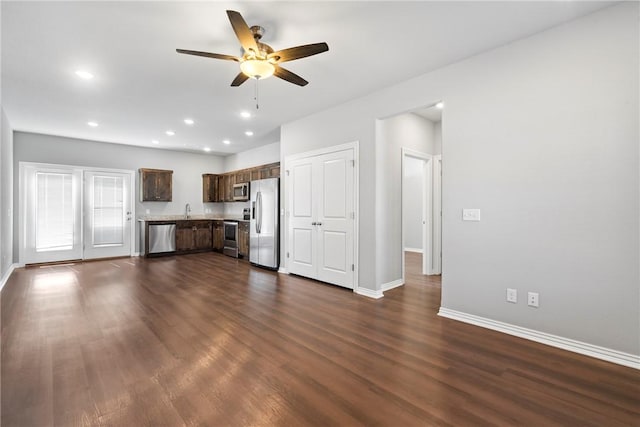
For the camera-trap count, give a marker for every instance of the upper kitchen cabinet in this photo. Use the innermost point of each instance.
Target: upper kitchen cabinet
(228, 181)
(271, 170)
(156, 185)
(243, 176)
(212, 188)
(219, 187)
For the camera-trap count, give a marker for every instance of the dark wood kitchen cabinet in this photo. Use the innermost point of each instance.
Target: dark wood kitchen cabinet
(211, 188)
(227, 187)
(156, 185)
(243, 239)
(271, 170)
(242, 176)
(219, 187)
(193, 236)
(218, 236)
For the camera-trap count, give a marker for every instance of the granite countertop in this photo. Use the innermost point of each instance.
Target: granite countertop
(210, 217)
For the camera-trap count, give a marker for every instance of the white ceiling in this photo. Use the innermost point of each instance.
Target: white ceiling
(142, 87)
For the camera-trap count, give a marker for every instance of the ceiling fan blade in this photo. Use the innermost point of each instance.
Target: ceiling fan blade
(299, 52)
(240, 78)
(242, 31)
(209, 55)
(289, 76)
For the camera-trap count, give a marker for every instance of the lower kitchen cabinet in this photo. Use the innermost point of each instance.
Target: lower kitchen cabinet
(193, 236)
(243, 239)
(218, 236)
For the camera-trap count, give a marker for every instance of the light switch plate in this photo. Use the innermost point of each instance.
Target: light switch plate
(471, 214)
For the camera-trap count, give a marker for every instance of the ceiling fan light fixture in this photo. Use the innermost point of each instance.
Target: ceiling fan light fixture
(257, 68)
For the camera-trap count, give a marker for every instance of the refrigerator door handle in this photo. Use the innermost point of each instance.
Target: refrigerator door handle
(259, 221)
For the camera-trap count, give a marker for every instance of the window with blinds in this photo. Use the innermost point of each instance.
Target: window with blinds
(54, 211)
(108, 210)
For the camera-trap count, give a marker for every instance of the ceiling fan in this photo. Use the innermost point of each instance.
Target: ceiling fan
(259, 60)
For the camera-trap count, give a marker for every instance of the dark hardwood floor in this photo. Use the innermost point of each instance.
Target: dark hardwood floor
(205, 339)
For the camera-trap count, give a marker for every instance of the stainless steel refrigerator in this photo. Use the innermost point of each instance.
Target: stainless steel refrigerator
(264, 234)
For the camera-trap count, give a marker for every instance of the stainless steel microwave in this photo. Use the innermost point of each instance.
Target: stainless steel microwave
(241, 192)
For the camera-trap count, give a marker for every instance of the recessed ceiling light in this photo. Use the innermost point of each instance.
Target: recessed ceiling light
(440, 105)
(245, 114)
(93, 124)
(207, 149)
(170, 132)
(84, 74)
(188, 121)
(226, 141)
(155, 141)
(248, 133)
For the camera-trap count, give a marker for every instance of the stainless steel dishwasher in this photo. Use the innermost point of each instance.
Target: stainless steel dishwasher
(162, 238)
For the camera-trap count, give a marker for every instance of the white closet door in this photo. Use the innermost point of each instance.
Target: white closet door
(52, 225)
(335, 218)
(302, 229)
(321, 217)
(107, 210)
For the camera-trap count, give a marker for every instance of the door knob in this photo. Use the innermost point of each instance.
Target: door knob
(314, 223)
(319, 223)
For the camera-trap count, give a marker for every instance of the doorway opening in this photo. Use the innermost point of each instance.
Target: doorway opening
(422, 190)
(417, 216)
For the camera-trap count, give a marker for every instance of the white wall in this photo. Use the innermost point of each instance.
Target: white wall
(6, 195)
(187, 169)
(412, 202)
(437, 137)
(258, 156)
(525, 126)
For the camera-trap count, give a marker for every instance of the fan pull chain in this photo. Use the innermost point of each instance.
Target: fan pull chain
(256, 96)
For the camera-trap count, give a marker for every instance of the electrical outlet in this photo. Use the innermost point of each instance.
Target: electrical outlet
(512, 295)
(532, 299)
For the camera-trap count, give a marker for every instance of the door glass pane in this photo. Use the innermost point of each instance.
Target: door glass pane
(54, 211)
(108, 210)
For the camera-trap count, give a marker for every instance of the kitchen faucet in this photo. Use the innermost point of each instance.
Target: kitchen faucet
(187, 211)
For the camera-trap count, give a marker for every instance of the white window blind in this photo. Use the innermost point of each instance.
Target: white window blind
(108, 210)
(54, 211)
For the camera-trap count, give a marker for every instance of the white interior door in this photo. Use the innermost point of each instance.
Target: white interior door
(302, 234)
(107, 214)
(334, 219)
(321, 217)
(51, 227)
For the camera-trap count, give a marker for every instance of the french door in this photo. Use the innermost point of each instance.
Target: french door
(107, 214)
(321, 217)
(52, 214)
(70, 213)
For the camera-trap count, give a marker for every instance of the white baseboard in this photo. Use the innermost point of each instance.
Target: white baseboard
(603, 353)
(413, 250)
(7, 274)
(393, 284)
(283, 270)
(368, 293)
